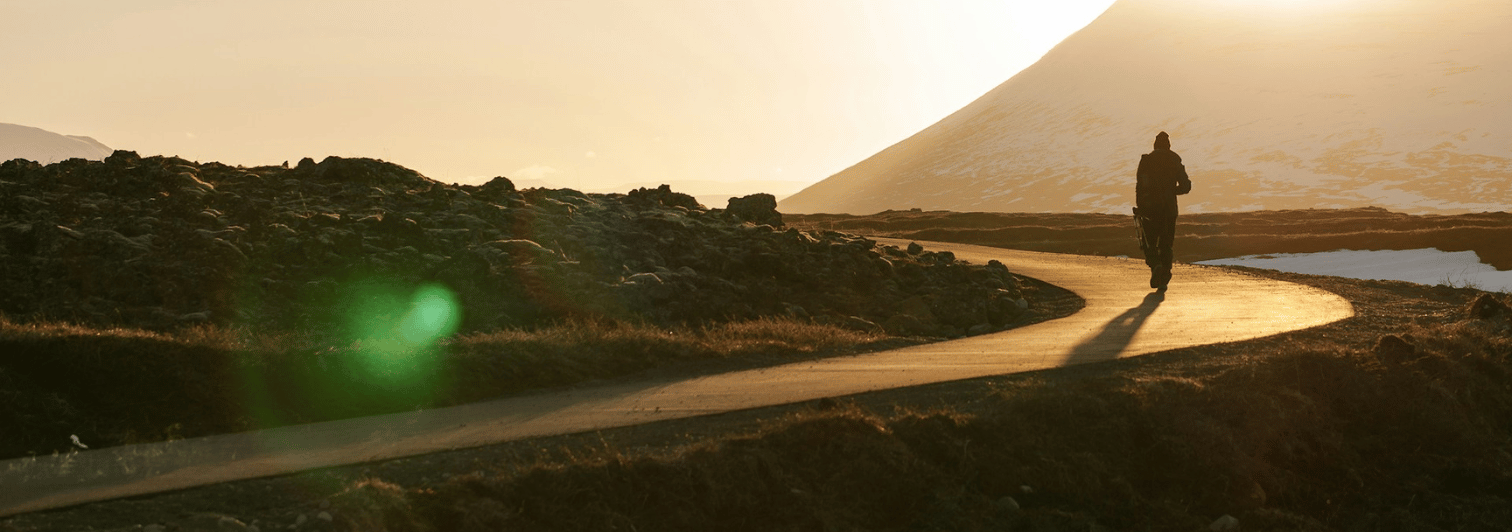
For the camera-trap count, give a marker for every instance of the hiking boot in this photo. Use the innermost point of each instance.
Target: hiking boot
(1160, 278)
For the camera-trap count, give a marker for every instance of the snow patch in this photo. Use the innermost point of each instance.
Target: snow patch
(1429, 266)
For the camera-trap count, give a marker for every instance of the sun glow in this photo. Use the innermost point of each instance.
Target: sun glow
(1289, 6)
(615, 92)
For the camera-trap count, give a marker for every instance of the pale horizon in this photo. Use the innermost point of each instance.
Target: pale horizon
(586, 95)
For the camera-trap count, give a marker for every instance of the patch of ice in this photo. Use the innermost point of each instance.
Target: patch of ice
(1423, 266)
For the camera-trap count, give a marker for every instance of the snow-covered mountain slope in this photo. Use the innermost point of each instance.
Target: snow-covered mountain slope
(46, 147)
(1403, 104)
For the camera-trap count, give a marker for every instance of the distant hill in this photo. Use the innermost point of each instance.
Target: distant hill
(46, 147)
(1273, 105)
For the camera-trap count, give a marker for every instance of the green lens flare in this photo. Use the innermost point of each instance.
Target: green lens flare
(388, 357)
(433, 315)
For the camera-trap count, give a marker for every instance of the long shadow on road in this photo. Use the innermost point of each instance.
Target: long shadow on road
(1117, 334)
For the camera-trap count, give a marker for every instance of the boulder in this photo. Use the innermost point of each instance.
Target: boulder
(496, 189)
(121, 158)
(1224, 523)
(907, 325)
(523, 251)
(759, 209)
(662, 196)
(647, 278)
(1486, 307)
(857, 323)
(920, 307)
(1393, 348)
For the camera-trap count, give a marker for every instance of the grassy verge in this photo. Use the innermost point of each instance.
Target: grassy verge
(1397, 419)
(113, 386)
(118, 386)
(1413, 432)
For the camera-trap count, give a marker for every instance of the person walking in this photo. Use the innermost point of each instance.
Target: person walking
(1161, 177)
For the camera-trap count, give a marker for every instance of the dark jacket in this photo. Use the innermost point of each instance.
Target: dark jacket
(1162, 177)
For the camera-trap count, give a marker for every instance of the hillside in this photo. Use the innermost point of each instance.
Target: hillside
(1272, 105)
(46, 147)
(144, 298)
(161, 243)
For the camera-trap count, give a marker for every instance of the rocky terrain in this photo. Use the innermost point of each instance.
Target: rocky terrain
(147, 299)
(161, 243)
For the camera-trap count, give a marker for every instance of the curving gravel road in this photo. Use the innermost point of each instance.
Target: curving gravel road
(1122, 318)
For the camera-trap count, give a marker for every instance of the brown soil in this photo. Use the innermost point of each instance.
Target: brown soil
(1330, 428)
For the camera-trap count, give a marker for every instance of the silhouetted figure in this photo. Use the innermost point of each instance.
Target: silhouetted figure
(1162, 177)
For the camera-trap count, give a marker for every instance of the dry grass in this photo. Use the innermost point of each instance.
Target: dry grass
(574, 352)
(109, 386)
(1199, 236)
(1397, 419)
(1331, 428)
(119, 386)
(1307, 434)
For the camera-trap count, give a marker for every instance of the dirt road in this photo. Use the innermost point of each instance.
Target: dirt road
(1122, 318)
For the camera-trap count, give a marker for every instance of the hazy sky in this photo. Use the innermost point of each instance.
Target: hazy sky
(584, 93)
